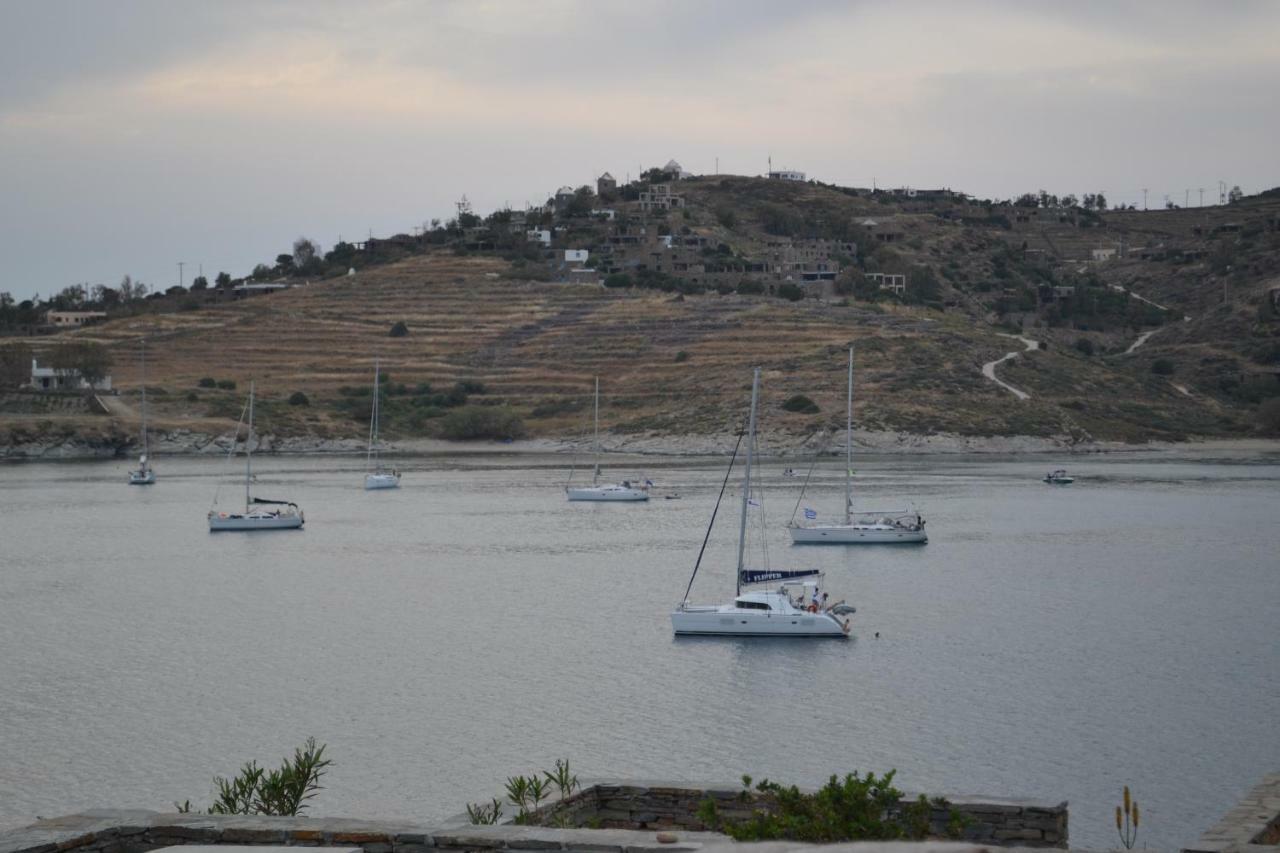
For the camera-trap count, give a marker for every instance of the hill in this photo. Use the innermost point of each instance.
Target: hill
(1154, 325)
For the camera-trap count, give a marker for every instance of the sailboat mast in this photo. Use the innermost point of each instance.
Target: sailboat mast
(144, 403)
(373, 419)
(746, 486)
(595, 467)
(248, 453)
(848, 447)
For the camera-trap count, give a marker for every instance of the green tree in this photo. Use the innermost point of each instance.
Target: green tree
(200, 283)
(15, 363)
(223, 281)
(91, 361)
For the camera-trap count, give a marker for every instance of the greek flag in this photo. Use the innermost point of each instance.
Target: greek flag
(810, 514)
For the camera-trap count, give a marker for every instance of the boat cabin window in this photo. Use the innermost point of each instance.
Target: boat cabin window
(751, 605)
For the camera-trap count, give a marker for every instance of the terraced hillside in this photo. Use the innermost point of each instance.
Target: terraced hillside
(669, 365)
(1149, 325)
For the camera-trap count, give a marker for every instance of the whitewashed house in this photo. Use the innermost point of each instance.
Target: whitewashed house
(575, 256)
(542, 236)
(50, 379)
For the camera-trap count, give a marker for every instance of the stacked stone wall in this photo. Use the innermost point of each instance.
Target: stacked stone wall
(1022, 823)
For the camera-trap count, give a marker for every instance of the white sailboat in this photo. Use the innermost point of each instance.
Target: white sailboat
(623, 491)
(145, 475)
(376, 477)
(259, 513)
(866, 527)
(773, 611)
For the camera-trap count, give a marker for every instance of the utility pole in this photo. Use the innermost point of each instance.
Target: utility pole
(1201, 196)
(1186, 198)
(1144, 198)
(181, 264)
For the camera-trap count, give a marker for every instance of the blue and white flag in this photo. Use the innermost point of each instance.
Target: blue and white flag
(752, 502)
(810, 514)
(648, 482)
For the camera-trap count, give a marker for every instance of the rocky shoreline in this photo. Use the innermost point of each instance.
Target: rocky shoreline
(113, 444)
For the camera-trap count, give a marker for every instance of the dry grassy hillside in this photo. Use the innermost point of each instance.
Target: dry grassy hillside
(668, 364)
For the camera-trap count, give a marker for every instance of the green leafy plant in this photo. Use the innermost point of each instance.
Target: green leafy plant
(562, 778)
(484, 813)
(518, 794)
(281, 792)
(1127, 820)
(399, 329)
(539, 790)
(851, 809)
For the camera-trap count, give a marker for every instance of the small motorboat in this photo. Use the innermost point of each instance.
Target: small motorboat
(1059, 477)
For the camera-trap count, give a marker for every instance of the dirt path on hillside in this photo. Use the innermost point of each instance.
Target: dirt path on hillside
(989, 369)
(1142, 339)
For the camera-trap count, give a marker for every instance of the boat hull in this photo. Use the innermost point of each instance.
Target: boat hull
(607, 493)
(233, 522)
(716, 622)
(1059, 481)
(137, 479)
(856, 535)
(381, 481)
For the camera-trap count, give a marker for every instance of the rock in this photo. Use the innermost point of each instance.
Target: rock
(666, 838)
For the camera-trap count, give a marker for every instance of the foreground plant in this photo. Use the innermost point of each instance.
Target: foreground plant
(1127, 820)
(564, 780)
(281, 792)
(853, 809)
(482, 814)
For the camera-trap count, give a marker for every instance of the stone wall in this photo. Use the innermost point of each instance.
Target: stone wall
(1021, 823)
(112, 831)
(1253, 826)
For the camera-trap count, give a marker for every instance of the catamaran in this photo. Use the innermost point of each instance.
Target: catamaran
(863, 527)
(623, 491)
(376, 477)
(776, 610)
(145, 475)
(259, 513)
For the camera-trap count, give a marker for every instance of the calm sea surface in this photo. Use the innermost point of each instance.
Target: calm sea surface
(1048, 642)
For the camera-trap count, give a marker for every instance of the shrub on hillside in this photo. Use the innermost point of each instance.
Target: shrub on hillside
(1084, 346)
(208, 382)
(790, 292)
(747, 287)
(297, 398)
(227, 384)
(617, 279)
(800, 403)
(682, 356)
(1269, 416)
(399, 330)
(1162, 367)
(482, 422)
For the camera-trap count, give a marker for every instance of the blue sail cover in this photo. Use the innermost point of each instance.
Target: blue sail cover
(765, 575)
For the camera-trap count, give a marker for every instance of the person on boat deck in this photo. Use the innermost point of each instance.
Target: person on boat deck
(823, 605)
(813, 605)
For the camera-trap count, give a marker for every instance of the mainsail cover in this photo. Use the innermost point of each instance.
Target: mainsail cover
(748, 576)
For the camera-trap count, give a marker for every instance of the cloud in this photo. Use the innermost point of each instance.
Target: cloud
(328, 118)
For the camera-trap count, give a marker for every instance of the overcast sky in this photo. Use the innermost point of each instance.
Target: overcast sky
(134, 135)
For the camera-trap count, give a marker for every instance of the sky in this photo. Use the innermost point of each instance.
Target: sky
(137, 134)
